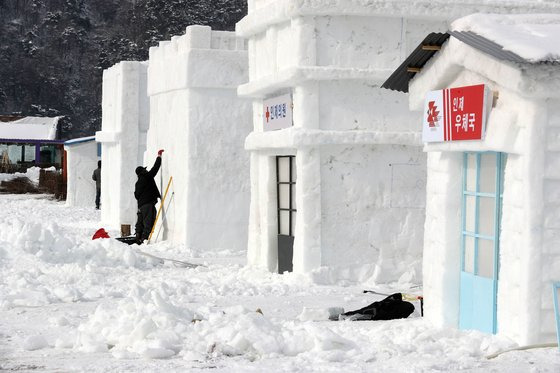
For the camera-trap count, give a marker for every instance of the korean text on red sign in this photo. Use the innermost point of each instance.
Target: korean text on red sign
(456, 114)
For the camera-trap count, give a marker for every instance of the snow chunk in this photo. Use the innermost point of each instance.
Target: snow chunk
(34, 342)
(145, 323)
(65, 340)
(313, 314)
(157, 353)
(59, 321)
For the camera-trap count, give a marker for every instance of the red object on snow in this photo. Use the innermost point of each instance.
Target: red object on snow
(100, 233)
(159, 152)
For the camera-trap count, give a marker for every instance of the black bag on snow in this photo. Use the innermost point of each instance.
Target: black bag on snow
(392, 307)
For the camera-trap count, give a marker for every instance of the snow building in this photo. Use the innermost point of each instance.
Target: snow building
(490, 104)
(81, 160)
(337, 169)
(201, 123)
(125, 118)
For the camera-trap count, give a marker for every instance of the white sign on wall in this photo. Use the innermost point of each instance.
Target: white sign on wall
(277, 112)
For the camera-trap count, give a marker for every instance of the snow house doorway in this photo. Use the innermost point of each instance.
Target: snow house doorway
(286, 208)
(482, 195)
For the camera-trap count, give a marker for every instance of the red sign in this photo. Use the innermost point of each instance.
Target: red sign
(455, 114)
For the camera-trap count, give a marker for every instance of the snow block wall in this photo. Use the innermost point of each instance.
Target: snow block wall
(197, 117)
(125, 119)
(550, 255)
(525, 124)
(360, 183)
(373, 197)
(81, 160)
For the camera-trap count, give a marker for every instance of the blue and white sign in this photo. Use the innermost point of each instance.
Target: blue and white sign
(277, 113)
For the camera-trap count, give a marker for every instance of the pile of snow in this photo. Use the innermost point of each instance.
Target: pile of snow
(531, 36)
(47, 244)
(40, 264)
(148, 324)
(32, 173)
(105, 302)
(145, 323)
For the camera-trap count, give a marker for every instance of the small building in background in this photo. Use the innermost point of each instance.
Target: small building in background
(81, 159)
(197, 117)
(30, 141)
(125, 118)
(490, 99)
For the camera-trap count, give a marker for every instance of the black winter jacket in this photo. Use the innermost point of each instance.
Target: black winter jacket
(146, 190)
(97, 177)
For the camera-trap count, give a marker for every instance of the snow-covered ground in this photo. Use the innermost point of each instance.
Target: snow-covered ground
(69, 304)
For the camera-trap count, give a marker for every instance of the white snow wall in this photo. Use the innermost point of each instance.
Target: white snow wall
(81, 161)
(198, 119)
(125, 119)
(360, 184)
(525, 124)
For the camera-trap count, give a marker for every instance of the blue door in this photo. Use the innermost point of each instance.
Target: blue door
(481, 212)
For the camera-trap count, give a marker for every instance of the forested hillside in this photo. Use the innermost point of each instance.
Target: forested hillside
(53, 52)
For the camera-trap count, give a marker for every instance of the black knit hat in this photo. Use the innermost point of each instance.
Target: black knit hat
(140, 170)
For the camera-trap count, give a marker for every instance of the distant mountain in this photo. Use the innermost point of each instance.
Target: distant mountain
(53, 52)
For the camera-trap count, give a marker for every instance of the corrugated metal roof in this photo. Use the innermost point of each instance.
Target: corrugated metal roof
(398, 81)
(487, 46)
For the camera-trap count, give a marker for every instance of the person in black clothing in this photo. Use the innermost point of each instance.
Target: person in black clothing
(97, 178)
(146, 193)
(390, 308)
